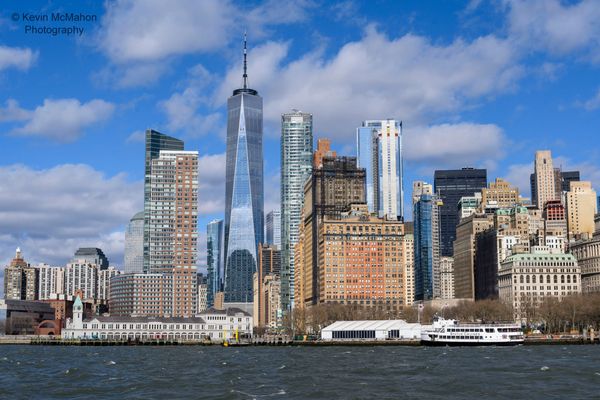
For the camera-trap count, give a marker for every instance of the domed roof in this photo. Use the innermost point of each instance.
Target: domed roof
(138, 216)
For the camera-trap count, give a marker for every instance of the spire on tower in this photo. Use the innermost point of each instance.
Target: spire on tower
(245, 76)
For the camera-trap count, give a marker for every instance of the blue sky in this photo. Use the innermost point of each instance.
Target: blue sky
(479, 83)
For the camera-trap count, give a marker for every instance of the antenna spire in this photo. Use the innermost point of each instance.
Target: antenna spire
(245, 76)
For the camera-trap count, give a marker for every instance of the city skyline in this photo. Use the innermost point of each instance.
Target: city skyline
(110, 120)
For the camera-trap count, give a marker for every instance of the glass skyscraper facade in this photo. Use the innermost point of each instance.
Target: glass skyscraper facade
(296, 168)
(244, 197)
(450, 186)
(379, 151)
(426, 247)
(155, 142)
(134, 245)
(273, 228)
(214, 257)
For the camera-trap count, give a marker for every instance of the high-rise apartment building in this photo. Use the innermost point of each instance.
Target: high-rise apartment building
(379, 151)
(244, 197)
(329, 191)
(51, 281)
(91, 255)
(269, 264)
(134, 245)
(581, 208)
(450, 186)
(173, 225)
(214, 260)
(273, 228)
(104, 277)
(427, 247)
(141, 295)
(409, 267)
(296, 168)
(446, 278)
(81, 276)
(20, 279)
(544, 178)
(155, 142)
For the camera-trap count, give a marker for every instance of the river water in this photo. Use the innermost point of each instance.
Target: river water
(378, 372)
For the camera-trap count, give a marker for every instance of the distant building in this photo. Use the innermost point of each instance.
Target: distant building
(409, 263)
(134, 245)
(543, 179)
(468, 205)
(214, 260)
(581, 208)
(446, 278)
(24, 316)
(273, 228)
(81, 276)
(213, 325)
(269, 263)
(20, 279)
(525, 279)
(148, 295)
(587, 253)
(500, 193)
(91, 255)
(379, 147)
(51, 281)
(202, 294)
(104, 277)
(450, 186)
(323, 151)
(421, 188)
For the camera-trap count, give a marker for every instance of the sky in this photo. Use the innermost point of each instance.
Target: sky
(476, 83)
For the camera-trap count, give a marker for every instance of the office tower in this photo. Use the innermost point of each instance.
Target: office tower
(173, 225)
(51, 281)
(214, 259)
(555, 219)
(91, 255)
(202, 285)
(104, 277)
(273, 228)
(587, 253)
(134, 245)
(581, 208)
(296, 168)
(450, 186)
(525, 279)
(155, 142)
(379, 151)
(468, 205)
(244, 199)
(427, 247)
(446, 278)
(464, 253)
(362, 261)
(140, 295)
(567, 177)
(271, 300)
(269, 264)
(323, 150)
(544, 179)
(500, 193)
(20, 279)
(81, 275)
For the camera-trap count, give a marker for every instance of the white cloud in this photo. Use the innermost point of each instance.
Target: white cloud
(16, 57)
(556, 27)
(454, 145)
(593, 103)
(50, 213)
(12, 112)
(58, 119)
(211, 187)
(518, 175)
(136, 137)
(408, 78)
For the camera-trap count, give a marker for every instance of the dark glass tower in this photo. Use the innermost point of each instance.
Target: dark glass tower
(243, 191)
(451, 185)
(155, 142)
(214, 256)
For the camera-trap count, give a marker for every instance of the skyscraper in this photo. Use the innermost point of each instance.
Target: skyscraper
(173, 225)
(214, 259)
(379, 146)
(296, 168)
(581, 208)
(155, 142)
(273, 228)
(545, 181)
(450, 186)
(91, 255)
(427, 247)
(244, 198)
(134, 245)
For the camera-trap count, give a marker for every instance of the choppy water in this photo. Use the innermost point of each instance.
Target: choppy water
(533, 372)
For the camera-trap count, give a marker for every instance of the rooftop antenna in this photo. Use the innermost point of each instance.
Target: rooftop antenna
(245, 76)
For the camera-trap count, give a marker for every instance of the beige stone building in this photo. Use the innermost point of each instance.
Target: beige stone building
(446, 278)
(545, 182)
(581, 207)
(587, 252)
(409, 262)
(501, 193)
(524, 279)
(420, 188)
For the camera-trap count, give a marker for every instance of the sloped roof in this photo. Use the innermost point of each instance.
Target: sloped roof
(372, 325)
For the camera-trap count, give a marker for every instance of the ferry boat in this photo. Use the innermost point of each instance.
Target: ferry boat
(449, 332)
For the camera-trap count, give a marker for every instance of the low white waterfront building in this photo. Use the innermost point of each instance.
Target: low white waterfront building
(372, 330)
(216, 325)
